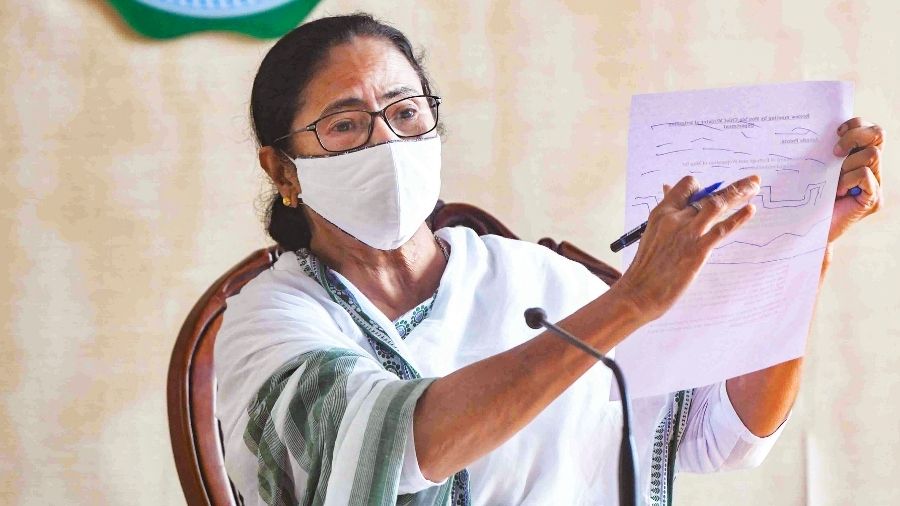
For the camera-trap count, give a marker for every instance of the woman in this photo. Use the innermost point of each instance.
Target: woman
(379, 362)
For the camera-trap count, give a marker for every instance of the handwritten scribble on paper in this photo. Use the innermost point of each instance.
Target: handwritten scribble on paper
(765, 274)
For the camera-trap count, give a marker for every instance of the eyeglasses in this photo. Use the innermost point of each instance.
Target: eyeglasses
(346, 130)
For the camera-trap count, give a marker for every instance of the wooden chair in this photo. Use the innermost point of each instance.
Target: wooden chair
(191, 390)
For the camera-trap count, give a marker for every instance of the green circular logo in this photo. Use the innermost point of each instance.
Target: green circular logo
(163, 19)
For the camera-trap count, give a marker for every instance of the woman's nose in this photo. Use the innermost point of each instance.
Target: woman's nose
(381, 132)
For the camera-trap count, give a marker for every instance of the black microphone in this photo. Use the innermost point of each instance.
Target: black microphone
(536, 318)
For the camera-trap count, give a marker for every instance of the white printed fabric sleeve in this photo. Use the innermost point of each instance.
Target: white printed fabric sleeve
(716, 439)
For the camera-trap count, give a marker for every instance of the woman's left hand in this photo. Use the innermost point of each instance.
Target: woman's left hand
(862, 169)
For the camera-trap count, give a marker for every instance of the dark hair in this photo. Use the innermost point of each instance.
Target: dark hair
(280, 81)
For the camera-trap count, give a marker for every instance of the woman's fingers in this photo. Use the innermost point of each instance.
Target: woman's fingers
(732, 196)
(851, 124)
(869, 157)
(864, 135)
(725, 227)
(677, 196)
(673, 248)
(863, 177)
(862, 168)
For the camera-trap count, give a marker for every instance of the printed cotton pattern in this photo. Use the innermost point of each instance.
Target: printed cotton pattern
(295, 418)
(406, 323)
(666, 439)
(380, 341)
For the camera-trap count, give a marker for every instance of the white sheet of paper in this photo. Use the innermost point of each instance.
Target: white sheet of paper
(751, 305)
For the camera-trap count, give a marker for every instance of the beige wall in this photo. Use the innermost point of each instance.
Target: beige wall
(129, 186)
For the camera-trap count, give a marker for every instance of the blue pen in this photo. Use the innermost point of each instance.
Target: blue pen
(634, 235)
(706, 192)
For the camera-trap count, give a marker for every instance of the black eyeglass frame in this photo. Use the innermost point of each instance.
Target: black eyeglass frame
(312, 126)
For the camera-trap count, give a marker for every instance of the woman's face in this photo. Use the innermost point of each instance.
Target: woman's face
(363, 74)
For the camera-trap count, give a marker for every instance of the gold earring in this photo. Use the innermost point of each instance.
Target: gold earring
(286, 201)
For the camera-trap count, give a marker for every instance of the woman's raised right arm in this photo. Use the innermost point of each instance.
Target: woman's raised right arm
(449, 425)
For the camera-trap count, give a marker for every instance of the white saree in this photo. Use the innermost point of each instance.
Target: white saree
(316, 389)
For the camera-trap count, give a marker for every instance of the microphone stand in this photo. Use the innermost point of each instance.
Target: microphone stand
(536, 318)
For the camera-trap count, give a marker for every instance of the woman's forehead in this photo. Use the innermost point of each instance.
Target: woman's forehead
(366, 69)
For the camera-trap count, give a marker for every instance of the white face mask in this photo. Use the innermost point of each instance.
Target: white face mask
(379, 194)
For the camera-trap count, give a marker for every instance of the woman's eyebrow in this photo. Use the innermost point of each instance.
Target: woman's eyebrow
(358, 103)
(343, 103)
(400, 90)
